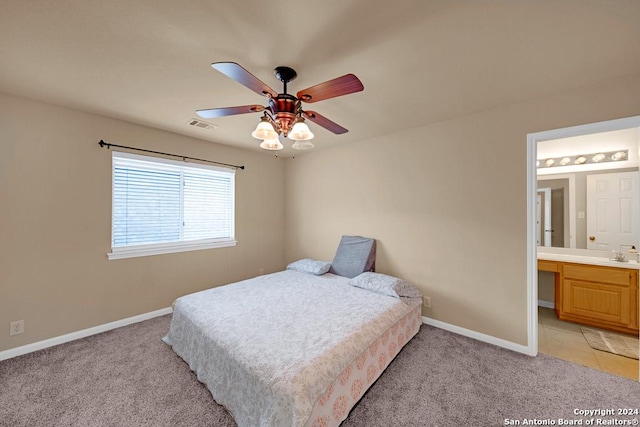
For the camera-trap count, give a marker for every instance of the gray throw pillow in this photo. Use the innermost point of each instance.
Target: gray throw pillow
(354, 256)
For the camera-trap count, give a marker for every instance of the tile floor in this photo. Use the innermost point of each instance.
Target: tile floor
(564, 340)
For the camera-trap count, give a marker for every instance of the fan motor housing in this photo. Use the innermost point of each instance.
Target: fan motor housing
(284, 109)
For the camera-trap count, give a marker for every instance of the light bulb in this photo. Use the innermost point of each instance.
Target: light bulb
(620, 155)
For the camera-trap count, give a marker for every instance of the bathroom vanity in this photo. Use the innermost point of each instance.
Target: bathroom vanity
(593, 290)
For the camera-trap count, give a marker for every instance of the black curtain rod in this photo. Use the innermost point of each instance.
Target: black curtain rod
(108, 145)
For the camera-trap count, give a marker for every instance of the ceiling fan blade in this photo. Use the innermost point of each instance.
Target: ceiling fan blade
(324, 122)
(229, 111)
(339, 86)
(242, 76)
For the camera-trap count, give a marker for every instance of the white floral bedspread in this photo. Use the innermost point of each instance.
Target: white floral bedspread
(268, 347)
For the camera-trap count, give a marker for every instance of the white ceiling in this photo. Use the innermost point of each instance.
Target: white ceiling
(421, 61)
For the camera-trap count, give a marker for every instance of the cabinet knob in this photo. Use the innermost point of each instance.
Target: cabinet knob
(592, 238)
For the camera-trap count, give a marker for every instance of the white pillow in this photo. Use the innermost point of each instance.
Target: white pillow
(310, 266)
(385, 285)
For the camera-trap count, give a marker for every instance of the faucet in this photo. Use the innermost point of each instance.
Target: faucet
(619, 256)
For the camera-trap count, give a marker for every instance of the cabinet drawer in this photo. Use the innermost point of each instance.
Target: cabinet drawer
(597, 301)
(544, 265)
(615, 276)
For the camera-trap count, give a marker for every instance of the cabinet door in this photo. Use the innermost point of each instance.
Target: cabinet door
(598, 301)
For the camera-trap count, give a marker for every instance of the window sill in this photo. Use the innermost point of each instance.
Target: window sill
(167, 248)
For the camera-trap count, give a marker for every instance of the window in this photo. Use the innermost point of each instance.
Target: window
(162, 206)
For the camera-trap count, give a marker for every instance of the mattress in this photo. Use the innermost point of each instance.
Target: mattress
(342, 395)
(289, 348)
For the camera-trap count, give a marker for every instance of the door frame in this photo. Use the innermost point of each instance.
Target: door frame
(532, 251)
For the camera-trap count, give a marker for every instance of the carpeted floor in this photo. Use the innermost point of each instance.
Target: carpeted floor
(128, 377)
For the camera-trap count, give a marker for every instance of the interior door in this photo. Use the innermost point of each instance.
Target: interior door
(613, 208)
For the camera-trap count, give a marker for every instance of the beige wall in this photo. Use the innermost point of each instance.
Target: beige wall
(446, 202)
(55, 223)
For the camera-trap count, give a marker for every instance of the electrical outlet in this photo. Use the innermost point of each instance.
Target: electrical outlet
(427, 302)
(16, 327)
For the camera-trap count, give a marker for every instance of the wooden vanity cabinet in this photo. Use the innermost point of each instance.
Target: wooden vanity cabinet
(604, 297)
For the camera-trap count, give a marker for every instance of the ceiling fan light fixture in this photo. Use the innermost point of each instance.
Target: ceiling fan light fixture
(271, 144)
(302, 145)
(300, 131)
(264, 130)
(283, 114)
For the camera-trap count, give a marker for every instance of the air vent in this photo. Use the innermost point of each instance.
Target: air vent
(202, 125)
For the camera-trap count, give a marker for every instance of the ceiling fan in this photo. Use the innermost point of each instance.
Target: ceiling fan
(284, 114)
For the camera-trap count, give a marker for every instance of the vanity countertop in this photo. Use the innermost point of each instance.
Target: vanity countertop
(585, 259)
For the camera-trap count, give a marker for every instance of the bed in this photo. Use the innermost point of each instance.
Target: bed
(294, 348)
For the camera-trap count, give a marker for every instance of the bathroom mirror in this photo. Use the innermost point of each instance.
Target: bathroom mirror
(571, 211)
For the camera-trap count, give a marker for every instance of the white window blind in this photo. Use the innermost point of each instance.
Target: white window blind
(162, 206)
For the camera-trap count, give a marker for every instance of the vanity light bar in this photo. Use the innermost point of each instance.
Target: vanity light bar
(584, 159)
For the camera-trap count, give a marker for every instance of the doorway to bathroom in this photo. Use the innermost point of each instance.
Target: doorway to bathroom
(561, 163)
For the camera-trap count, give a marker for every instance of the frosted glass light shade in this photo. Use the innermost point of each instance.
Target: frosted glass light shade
(271, 144)
(302, 145)
(300, 132)
(264, 130)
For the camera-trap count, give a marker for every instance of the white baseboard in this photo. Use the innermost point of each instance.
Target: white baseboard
(546, 304)
(478, 336)
(30, 348)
